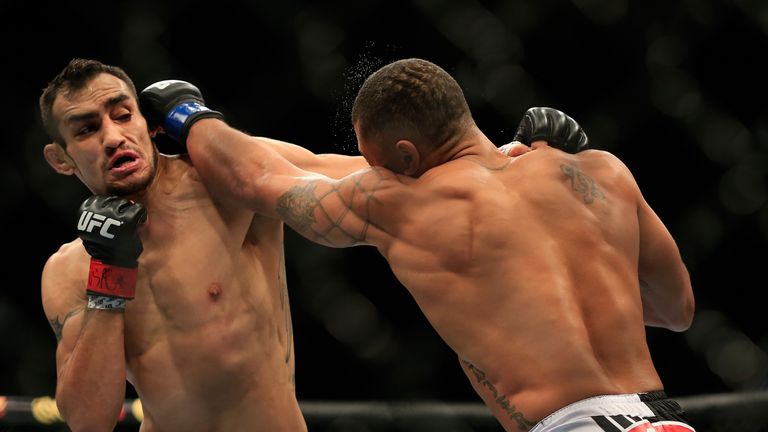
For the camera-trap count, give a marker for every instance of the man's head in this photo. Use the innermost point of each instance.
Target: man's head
(91, 114)
(406, 110)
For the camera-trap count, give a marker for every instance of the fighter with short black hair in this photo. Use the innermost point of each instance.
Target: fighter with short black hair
(541, 270)
(179, 291)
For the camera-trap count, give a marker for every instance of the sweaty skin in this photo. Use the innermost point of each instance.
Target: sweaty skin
(207, 341)
(529, 267)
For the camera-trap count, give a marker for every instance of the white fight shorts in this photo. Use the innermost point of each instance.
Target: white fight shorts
(643, 412)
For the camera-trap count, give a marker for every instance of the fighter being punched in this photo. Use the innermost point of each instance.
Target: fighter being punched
(176, 290)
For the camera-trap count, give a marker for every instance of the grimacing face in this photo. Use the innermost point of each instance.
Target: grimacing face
(108, 146)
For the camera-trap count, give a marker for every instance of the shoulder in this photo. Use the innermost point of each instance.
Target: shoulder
(610, 173)
(606, 163)
(605, 158)
(67, 255)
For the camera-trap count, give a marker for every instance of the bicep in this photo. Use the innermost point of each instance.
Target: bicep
(337, 213)
(64, 302)
(659, 254)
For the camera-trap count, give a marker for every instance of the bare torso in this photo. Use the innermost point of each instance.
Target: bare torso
(208, 337)
(529, 272)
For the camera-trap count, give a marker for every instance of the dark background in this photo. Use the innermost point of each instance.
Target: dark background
(674, 89)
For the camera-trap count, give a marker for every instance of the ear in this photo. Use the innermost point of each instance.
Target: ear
(58, 159)
(408, 157)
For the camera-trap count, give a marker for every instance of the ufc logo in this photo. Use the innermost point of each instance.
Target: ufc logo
(90, 220)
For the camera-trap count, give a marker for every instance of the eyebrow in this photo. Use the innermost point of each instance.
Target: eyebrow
(111, 102)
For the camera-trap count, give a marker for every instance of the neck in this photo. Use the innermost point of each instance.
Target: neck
(472, 143)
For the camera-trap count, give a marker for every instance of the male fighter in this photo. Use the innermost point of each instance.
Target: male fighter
(179, 291)
(540, 271)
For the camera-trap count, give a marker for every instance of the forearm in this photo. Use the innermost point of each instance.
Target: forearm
(665, 284)
(250, 172)
(332, 165)
(91, 385)
(662, 308)
(232, 164)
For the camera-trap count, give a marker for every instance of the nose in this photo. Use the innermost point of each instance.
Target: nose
(112, 135)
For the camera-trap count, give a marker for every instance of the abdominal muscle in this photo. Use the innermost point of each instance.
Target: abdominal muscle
(210, 355)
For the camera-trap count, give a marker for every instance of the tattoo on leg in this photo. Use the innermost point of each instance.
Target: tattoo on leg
(582, 183)
(500, 399)
(58, 326)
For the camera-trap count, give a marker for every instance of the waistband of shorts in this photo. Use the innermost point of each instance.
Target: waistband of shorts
(616, 399)
(653, 396)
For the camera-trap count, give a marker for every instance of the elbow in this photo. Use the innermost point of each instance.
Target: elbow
(685, 317)
(675, 315)
(251, 191)
(80, 417)
(681, 319)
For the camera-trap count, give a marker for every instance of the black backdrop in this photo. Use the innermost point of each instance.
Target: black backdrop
(675, 89)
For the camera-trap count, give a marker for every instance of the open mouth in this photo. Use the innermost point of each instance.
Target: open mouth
(123, 162)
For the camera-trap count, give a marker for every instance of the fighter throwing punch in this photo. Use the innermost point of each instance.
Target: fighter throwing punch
(179, 291)
(540, 271)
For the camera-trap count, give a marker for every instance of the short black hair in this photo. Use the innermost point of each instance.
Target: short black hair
(414, 94)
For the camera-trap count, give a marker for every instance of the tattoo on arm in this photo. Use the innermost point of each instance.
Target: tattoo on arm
(500, 399)
(301, 206)
(297, 206)
(58, 325)
(582, 184)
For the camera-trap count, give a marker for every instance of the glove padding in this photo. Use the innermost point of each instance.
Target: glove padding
(553, 126)
(172, 107)
(108, 227)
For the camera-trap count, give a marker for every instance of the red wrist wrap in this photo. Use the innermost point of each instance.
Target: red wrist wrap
(112, 281)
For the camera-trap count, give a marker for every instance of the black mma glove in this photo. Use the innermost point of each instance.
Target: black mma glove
(108, 226)
(553, 126)
(172, 107)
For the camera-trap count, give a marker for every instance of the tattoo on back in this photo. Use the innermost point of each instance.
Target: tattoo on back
(582, 184)
(500, 399)
(58, 325)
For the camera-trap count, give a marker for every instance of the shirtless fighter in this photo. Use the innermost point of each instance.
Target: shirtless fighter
(540, 271)
(206, 336)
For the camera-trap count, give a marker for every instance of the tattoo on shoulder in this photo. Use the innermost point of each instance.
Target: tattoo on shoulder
(297, 206)
(582, 184)
(500, 399)
(58, 324)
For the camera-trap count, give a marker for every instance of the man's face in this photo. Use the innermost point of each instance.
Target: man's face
(106, 137)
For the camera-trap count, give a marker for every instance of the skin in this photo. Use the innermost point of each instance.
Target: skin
(539, 270)
(207, 341)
